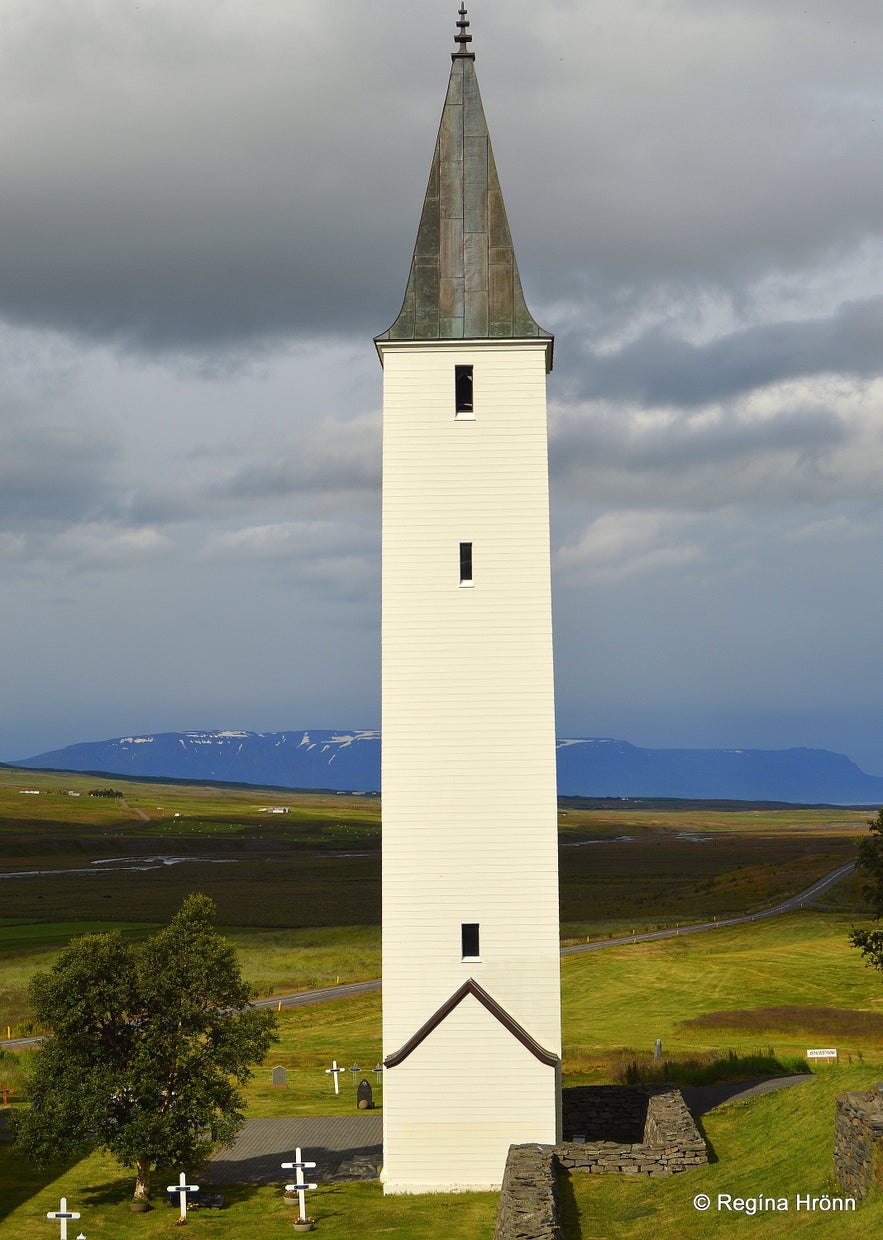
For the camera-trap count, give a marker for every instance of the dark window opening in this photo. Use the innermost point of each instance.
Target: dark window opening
(463, 389)
(469, 939)
(465, 561)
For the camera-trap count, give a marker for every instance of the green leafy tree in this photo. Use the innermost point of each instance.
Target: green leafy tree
(870, 863)
(149, 1044)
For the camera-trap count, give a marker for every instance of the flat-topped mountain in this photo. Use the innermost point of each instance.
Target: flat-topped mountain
(349, 761)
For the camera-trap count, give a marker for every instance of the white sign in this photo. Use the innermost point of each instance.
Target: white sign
(832, 1054)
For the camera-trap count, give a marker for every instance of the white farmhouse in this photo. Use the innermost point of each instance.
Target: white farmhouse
(471, 996)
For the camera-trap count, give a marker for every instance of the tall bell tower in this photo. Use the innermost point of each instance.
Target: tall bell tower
(471, 994)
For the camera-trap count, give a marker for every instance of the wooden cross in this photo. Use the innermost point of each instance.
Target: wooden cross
(6, 1091)
(300, 1185)
(63, 1214)
(335, 1072)
(182, 1188)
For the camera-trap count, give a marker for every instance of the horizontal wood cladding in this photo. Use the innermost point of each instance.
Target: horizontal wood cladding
(493, 1091)
(468, 762)
(471, 990)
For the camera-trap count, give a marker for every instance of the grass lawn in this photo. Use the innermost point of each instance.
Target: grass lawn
(299, 878)
(617, 1001)
(273, 961)
(310, 1038)
(778, 1145)
(100, 1191)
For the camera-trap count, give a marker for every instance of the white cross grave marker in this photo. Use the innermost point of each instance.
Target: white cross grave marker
(335, 1072)
(182, 1188)
(300, 1185)
(63, 1214)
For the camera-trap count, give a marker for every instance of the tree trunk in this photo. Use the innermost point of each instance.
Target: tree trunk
(142, 1179)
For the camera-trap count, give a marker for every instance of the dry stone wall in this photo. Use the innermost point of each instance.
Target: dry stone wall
(642, 1130)
(665, 1139)
(530, 1208)
(858, 1141)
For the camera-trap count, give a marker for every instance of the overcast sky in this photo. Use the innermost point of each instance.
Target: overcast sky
(207, 212)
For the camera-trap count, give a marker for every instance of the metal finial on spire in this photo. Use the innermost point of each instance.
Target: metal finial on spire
(462, 38)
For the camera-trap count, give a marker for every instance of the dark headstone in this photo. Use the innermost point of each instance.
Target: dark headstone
(364, 1095)
(280, 1078)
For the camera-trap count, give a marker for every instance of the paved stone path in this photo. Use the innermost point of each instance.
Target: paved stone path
(343, 1147)
(702, 1098)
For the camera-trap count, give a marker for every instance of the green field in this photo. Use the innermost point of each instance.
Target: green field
(615, 1003)
(299, 894)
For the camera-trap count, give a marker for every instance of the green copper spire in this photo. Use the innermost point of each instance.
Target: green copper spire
(463, 283)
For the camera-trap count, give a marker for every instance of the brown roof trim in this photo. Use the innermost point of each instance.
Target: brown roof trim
(471, 987)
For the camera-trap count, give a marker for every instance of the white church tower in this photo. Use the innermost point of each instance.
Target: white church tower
(471, 999)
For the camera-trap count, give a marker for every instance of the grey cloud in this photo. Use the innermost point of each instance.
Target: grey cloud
(660, 369)
(611, 439)
(203, 180)
(52, 470)
(193, 180)
(331, 467)
(334, 458)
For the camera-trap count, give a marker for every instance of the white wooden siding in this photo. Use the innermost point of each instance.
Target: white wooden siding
(468, 778)
(463, 1097)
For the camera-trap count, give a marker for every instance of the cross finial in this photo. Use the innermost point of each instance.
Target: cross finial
(462, 38)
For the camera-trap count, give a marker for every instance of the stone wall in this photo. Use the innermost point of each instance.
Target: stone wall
(858, 1141)
(530, 1207)
(643, 1130)
(604, 1113)
(666, 1142)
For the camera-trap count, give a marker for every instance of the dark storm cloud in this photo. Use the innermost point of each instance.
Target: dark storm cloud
(660, 369)
(189, 175)
(201, 177)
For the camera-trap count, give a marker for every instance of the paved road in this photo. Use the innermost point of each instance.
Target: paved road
(303, 998)
(703, 1098)
(787, 906)
(343, 1147)
(347, 990)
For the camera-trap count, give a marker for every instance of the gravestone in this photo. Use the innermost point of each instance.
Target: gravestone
(364, 1095)
(280, 1078)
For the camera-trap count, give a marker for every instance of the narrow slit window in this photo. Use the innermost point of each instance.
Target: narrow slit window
(469, 940)
(463, 389)
(465, 563)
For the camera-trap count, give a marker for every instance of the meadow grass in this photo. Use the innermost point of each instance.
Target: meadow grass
(273, 961)
(618, 1001)
(347, 1030)
(100, 1190)
(307, 885)
(614, 1001)
(777, 1145)
(710, 1068)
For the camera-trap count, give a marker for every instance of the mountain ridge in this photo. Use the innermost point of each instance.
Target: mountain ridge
(349, 761)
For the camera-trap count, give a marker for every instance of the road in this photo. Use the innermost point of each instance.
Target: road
(787, 906)
(348, 990)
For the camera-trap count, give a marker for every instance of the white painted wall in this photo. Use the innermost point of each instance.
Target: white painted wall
(467, 1093)
(469, 794)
